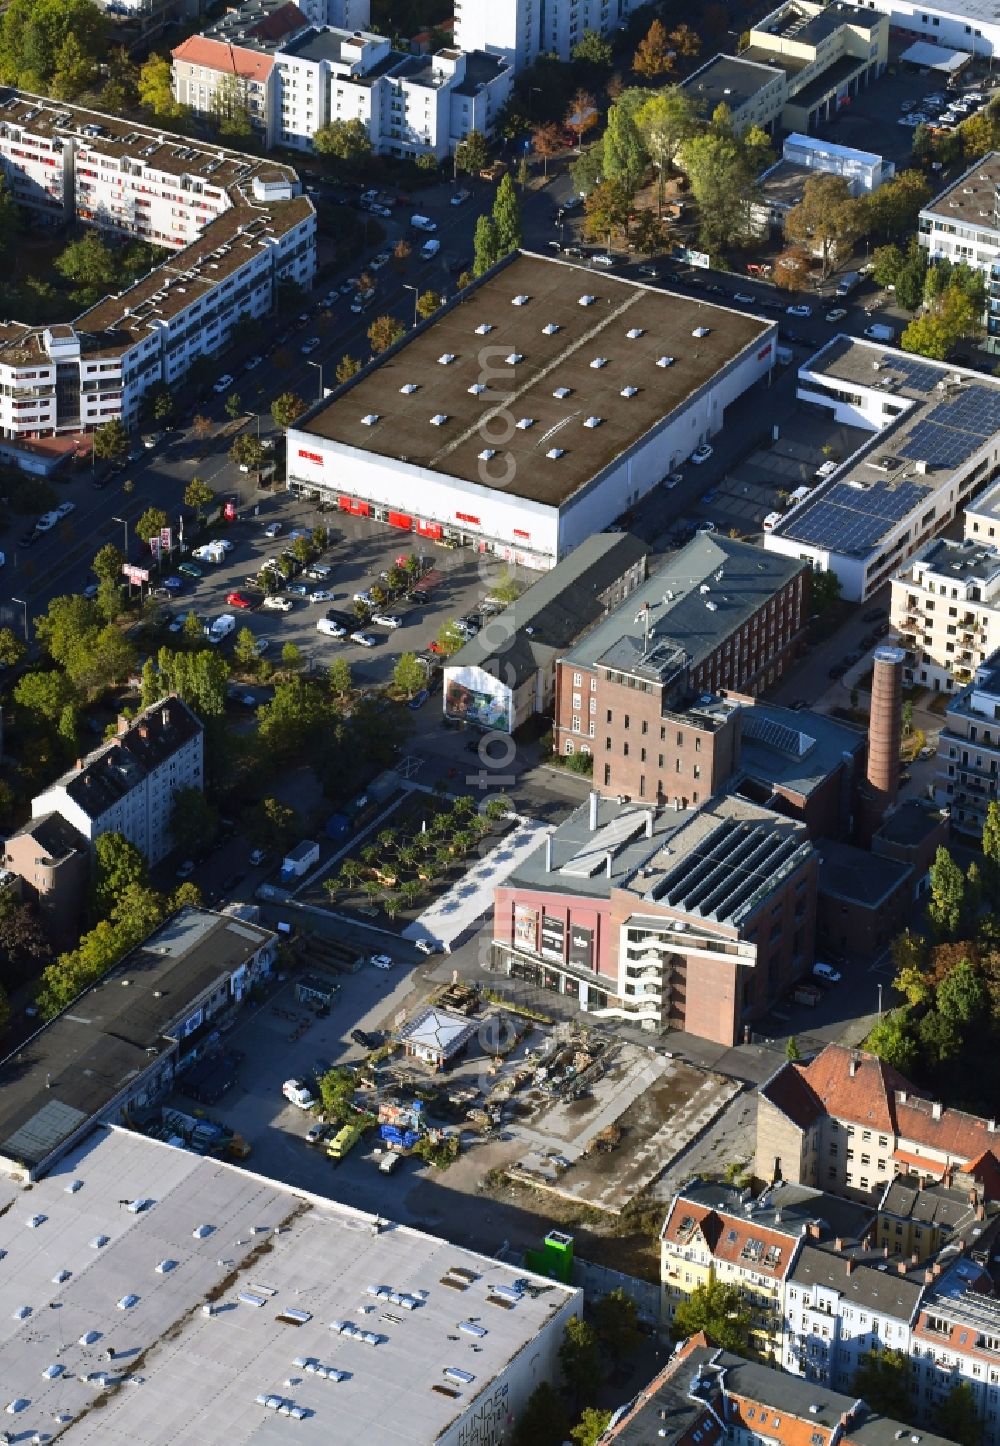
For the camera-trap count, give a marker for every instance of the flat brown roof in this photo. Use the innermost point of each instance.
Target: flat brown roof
(525, 388)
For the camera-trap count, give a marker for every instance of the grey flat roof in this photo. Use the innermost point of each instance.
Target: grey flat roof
(685, 628)
(910, 821)
(579, 855)
(784, 183)
(729, 80)
(972, 198)
(403, 428)
(73, 1067)
(794, 750)
(553, 611)
(786, 1207)
(855, 875)
(964, 559)
(813, 29)
(942, 424)
(184, 1376)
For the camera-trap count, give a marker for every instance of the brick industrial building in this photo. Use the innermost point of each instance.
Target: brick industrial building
(720, 614)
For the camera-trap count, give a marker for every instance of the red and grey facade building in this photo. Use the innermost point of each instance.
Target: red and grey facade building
(696, 920)
(720, 614)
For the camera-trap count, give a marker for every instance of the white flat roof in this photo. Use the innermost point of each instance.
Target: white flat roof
(802, 142)
(181, 1376)
(923, 53)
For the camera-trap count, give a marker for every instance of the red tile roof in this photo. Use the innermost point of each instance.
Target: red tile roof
(952, 1132)
(778, 1425)
(279, 23)
(730, 1237)
(827, 1085)
(232, 59)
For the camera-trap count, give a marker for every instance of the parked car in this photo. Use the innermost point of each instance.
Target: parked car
(331, 628)
(367, 640)
(272, 529)
(309, 345)
(799, 308)
(459, 197)
(428, 946)
(174, 584)
(278, 604)
(297, 589)
(701, 454)
(672, 479)
(321, 595)
(387, 620)
(419, 699)
(186, 869)
(366, 1038)
(221, 385)
(837, 314)
(188, 569)
(238, 600)
(603, 259)
(381, 961)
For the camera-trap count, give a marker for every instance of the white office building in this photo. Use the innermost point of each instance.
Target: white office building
(963, 224)
(237, 226)
(935, 439)
(969, 25)
(864, 171)
(522, 30)
(127, 786)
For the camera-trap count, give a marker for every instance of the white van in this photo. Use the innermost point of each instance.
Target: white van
(430, 249)
(221, 628)
(423, 223)
(826, 974)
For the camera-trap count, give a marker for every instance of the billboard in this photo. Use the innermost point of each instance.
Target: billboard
(581, 947)
(525, 927)
(473, 694)
(553, 938)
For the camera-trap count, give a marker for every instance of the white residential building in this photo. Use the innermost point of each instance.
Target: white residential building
(946, 608)
(127, 786)
(238, 225)
(968, 751)
(521, 30)
(963, 224)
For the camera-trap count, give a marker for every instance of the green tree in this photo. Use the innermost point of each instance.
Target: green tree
(229, 104)
(580, 1357)
(151, 523)
(991, 849)
(507, 217)
(286, 409)
(33, 37)
(472, 153)
(652, 57)
(886, 264)
(587, 171)
(939, 1036)
(344, 140)
(384, 332)
(892, 210)
(12, 648)
(486, 252)
(718, 1309)
(66, 623)
(616, 1322)
(150, 686)
(957, 1418)
(449, 639)
(45, 695)
(606, 210)
(408, 675)
(234, 406)
(245, 650)
(592, 49)
(120, 92)
(428, 302)
(271, 824)
(722, 185)
(118, 865)
(291, 657)
(110, 441)
(339, 678)
(89, 266)
(591, 1426)
(828, 218)
(792, 1051)
(198, 495)
(825, 590)
(947, 901)
(624, 155)
(347, 367)
(883, 1380)
(194, 823)
(665, 122)
(156, 87)
(939, 329)
(960, 996)
(74, 71)
(107, 564)
(247, 452)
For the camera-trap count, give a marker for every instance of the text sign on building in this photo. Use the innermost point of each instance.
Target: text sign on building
(166, 539)
(581, 947)
(135, 574)
(553, 938)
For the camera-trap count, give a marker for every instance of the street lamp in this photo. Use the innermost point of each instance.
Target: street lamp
(416, 293)
(319, 368)
(124, 523)
(879, 988)
(23, 604)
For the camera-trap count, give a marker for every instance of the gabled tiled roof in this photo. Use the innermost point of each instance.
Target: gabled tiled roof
(232, 59)
(731, 1238)
(846, 1084)
(789, 1092)
(951, 1132)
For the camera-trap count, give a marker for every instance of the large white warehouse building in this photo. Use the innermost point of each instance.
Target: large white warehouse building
(532, 411)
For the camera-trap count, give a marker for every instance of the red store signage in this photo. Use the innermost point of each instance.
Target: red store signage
(467, 517)
(311, 457)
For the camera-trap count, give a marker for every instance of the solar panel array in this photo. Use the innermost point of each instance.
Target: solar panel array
(775, 735)
(919, 375)
(852, 520)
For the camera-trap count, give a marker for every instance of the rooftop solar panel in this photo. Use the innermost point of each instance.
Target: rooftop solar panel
(919, 375)
(939, 446)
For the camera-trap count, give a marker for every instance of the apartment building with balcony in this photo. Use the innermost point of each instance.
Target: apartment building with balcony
(696, 920)
(237, 227)
(522, 30)
(945, 605)
(128, 786)
(968, 751)
(962, 223)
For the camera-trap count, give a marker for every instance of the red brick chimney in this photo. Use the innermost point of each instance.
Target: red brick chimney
(885, 731)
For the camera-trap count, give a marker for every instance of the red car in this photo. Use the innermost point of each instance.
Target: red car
(238, 600)
(435, 647)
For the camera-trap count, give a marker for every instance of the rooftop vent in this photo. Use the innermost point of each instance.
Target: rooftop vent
(550, 329)
(446, 359)
(587, 300)
(665, 361)
(514, 358)
(598, 362)
(487, 454)
(562, 393)
(200, 1231)
(554, 453)
(593, 422)
(408, 388)
(73, 1186)
(477, 387)
(634, 333)
(99, 1242)
(629, 391)
(439, 419)
(521, 300)
(484, 328)
(701, 331)
(525, 423)
(370, 419)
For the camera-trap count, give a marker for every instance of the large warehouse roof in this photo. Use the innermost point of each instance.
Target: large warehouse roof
(556, 368)
(222, 1293)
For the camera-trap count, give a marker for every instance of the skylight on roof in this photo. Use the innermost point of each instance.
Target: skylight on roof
(562, 393)
(525, 423)
(446, 359)
(487, 454)
(521, 300)
(629, 391)
(634, 333)
(598, 362)
(408, 388)
(665, 361)
(370, 419)
(439, 419)
(550, 329)
(484, 328)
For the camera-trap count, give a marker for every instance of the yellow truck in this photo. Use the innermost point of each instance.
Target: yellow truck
(343, 1141)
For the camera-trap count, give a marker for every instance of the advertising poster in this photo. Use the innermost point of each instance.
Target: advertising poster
(472, 694)
(525, 927)
(581, 947)
(553, 938)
